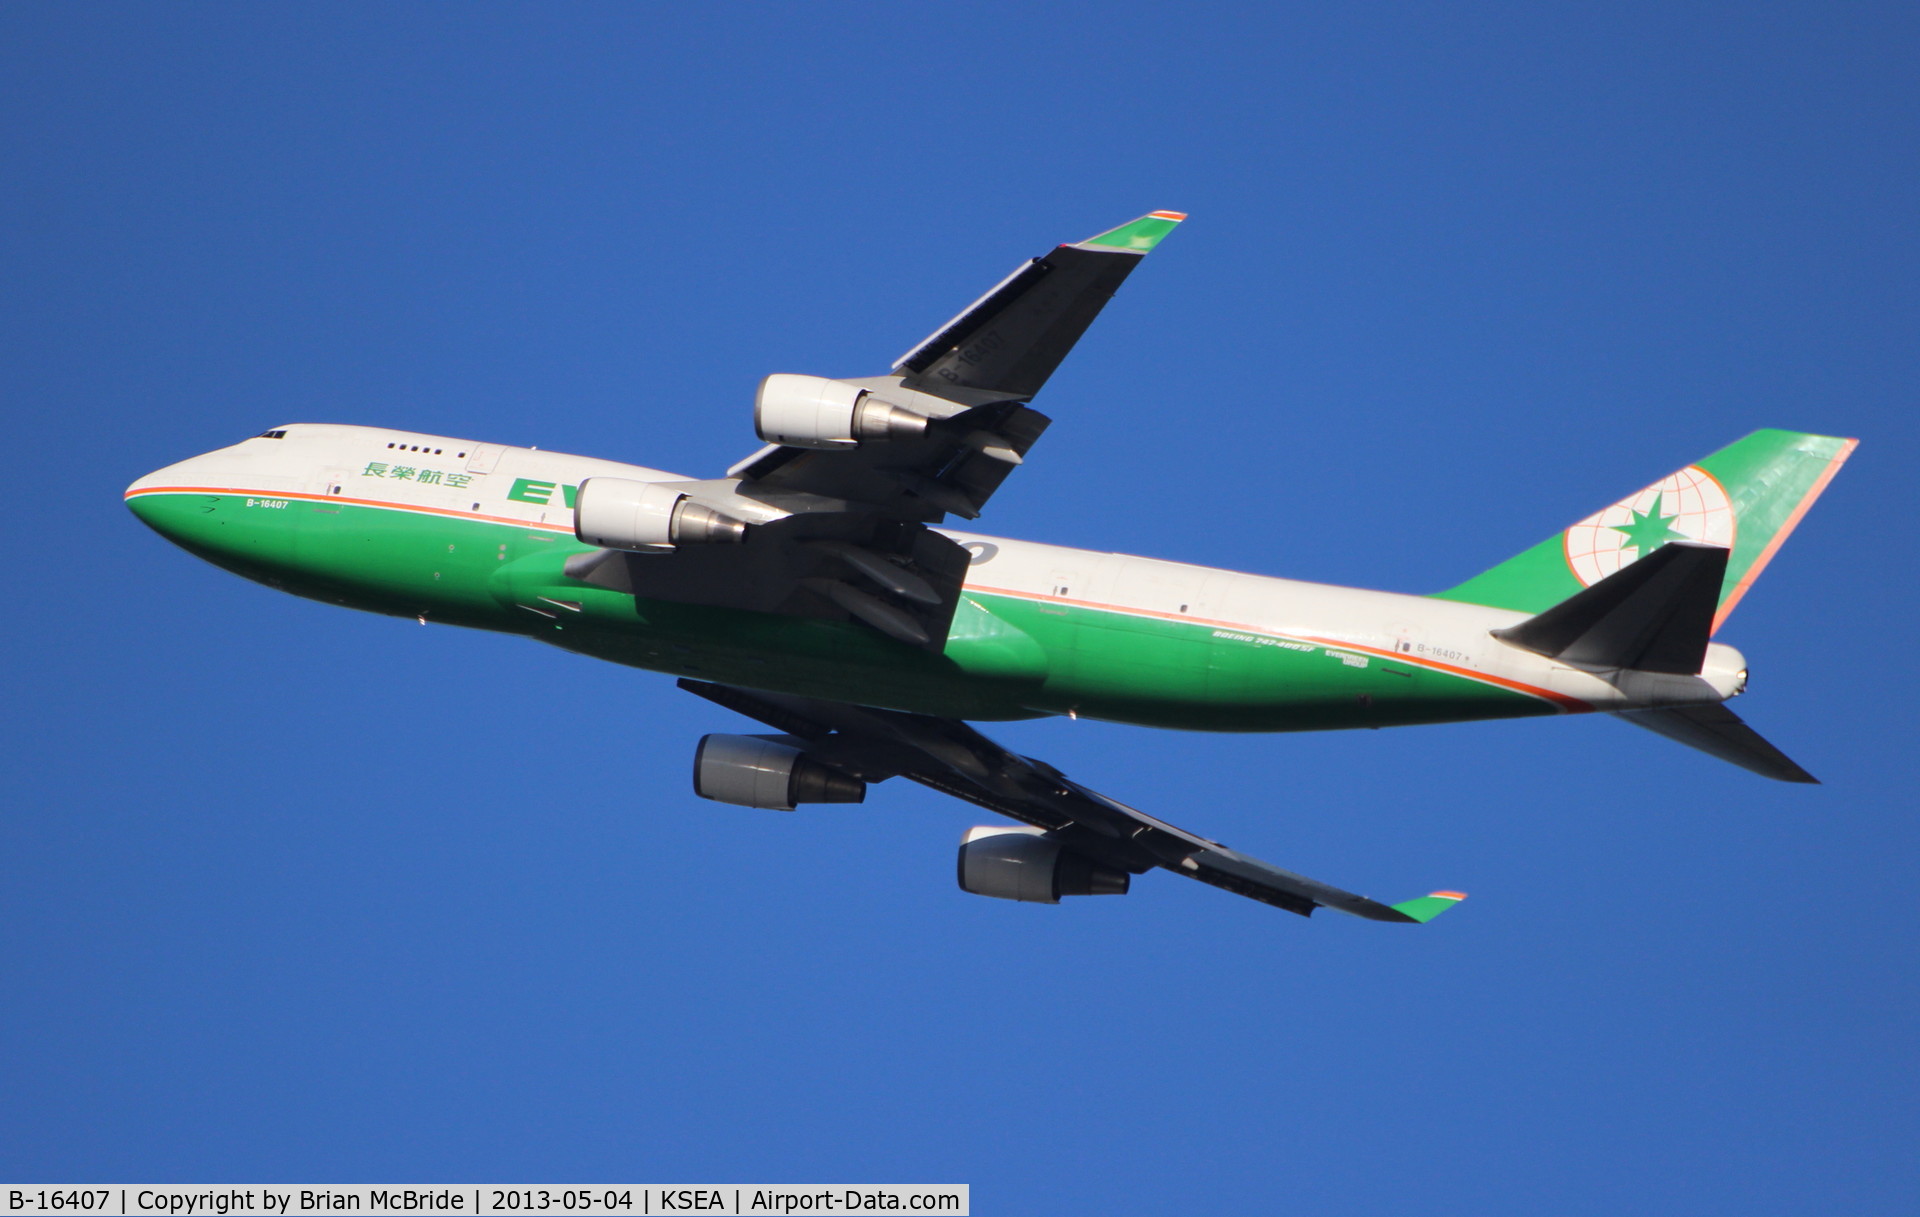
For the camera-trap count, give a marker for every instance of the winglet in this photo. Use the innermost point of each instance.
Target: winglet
(1426, 908)
(1139, 235)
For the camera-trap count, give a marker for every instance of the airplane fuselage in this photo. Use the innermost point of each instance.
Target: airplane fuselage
(462, 533)
(809, 590)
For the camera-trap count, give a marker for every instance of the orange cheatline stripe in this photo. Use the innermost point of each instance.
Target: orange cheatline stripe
(1571, 705)
(1169, 215)
(303, 496)
(1449, 895)
(1793, 521)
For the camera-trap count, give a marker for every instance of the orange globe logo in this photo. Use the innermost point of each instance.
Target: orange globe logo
(1687, 506)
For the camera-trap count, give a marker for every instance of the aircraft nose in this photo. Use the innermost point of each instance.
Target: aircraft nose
(142, 505)
(206, 505)
(148, 498)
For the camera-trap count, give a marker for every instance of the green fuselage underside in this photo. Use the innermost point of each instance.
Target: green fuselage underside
(1007, 657)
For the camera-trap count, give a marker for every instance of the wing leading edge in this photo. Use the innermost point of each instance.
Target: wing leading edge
(953, 758)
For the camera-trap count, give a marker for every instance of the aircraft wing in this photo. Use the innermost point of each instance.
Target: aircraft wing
(949, 756)
(841, 533)
(972, 377)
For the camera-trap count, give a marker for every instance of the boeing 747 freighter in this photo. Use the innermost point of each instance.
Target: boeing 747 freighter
(815, 588)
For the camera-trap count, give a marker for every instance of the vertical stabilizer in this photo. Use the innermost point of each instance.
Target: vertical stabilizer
(1747, 498)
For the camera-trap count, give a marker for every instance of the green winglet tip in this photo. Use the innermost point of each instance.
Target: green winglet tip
(1139, 236)
(1426, 908)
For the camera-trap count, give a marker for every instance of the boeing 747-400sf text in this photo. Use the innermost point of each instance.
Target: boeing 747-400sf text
(812, 589)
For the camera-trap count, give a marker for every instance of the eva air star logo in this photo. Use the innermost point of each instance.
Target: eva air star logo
(1688, 506)
(1650, 529)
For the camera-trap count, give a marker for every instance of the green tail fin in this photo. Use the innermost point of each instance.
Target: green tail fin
(1747, 497)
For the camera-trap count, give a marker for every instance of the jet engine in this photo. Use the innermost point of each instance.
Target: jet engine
(647, 517)
(814, 412)
(1027, 864)
(767, 771)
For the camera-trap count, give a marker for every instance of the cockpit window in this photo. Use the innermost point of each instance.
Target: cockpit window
(281, 434)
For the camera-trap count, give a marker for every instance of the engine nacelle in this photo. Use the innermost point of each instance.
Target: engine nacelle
(647, 517)
(1026, 864)
(814, 412)
(756, 771)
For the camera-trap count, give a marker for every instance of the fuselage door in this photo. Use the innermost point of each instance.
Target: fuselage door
(1064, 585)
(484, 457)
(332, 482)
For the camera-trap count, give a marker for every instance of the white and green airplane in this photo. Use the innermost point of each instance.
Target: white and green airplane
(810, 588)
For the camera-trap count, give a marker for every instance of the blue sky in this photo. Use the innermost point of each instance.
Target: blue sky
(295, 894)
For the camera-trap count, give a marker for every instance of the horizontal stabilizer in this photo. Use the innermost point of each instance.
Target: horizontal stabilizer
(1655, 615)
(1720, 732)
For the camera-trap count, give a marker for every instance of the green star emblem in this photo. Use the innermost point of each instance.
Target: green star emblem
(1648, 532)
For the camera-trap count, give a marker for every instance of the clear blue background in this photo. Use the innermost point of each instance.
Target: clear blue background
(296, 894)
